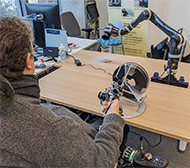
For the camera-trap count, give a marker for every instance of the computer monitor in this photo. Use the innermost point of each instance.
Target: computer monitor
(49, 11)
(39, 33)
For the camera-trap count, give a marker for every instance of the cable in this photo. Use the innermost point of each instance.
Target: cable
(162, 73)
(147, 140)
(98, 69)
(155, 144)
(77, 62)
(71, 56)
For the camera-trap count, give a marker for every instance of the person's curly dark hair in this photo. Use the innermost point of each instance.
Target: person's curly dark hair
(15, 43)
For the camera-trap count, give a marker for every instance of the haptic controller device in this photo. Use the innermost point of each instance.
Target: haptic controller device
(131, 92)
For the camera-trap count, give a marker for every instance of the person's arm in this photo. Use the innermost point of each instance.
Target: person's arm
(67, 145)
(61, 111)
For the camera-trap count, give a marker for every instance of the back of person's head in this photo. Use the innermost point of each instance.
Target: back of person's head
(15, 43)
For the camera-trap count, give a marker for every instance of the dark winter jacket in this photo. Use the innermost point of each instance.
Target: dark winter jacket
(32, 135)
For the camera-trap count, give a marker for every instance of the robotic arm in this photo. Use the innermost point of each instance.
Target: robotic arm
(127, 71)
(176, 39)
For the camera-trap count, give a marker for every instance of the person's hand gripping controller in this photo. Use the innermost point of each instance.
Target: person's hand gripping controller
(111, 107)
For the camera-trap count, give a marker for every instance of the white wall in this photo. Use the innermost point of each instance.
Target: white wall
(103, 11)
(175, 13)
(77, 8)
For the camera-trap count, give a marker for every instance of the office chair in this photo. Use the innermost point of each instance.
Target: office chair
(160, 51)
(113, 41)
(186, 59)
(92, 16)
(71, 25)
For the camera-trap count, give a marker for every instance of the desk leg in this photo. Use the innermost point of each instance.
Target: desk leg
(182, 146)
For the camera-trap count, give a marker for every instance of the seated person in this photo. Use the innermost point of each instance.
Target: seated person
(32, 135)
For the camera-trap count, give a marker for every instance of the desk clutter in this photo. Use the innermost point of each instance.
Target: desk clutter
(47, 56)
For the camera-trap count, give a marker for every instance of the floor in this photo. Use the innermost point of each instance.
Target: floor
(168, 147)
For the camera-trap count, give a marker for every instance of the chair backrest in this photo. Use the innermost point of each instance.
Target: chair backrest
(91, 10)
(160, 51)
(70, 24)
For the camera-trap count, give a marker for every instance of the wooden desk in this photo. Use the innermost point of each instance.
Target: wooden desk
(168, 107)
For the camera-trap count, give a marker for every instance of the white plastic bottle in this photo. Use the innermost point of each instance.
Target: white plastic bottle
(62, 54)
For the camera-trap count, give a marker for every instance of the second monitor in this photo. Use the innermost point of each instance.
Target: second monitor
(50, 13)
